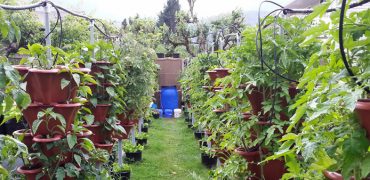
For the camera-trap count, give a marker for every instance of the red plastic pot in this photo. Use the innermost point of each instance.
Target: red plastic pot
(272, 170)
(99, 133)
(256, 98)
(100, 112)
(222, 72)
(124, 120)
(363, 113)
(45, 143)
(68, 111)
(212, 75)
(22, 70)
(247, 116)
(31, 173)
(108, 147)
(44, 86)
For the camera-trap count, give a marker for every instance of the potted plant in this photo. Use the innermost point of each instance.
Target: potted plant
(122, 172)
(145, 127)
(133, 152)
(142, 138)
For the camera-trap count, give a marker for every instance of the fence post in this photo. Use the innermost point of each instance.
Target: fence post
(47, 31)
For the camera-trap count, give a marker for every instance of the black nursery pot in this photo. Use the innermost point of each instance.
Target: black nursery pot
(208, 161)
(144, 129)
(134, 157)
(190, 126)
(176, 55)
(147, 121)
(198, 134)
(125, 175)
(160, 55)
(203, 144)
(155, 116)
(142, 141)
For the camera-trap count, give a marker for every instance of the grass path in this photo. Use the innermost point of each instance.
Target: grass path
(172, 153)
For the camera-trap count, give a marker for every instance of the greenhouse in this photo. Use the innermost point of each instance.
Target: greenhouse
(185, 90)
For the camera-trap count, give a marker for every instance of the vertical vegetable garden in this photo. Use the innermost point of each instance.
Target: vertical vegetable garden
(286, 104)
(78, 105)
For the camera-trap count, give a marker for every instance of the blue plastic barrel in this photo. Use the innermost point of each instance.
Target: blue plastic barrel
(169, 100)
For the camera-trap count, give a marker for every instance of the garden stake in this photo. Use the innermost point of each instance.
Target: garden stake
(92, 40)
(119, 151)
(132, 135)
(47, 31)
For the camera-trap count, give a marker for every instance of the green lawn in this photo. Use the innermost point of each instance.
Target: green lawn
(171, 153)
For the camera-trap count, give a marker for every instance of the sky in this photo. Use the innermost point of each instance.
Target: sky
(117, 10)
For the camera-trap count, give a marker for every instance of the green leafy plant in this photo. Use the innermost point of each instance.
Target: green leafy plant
(128, 147)
(142, 135)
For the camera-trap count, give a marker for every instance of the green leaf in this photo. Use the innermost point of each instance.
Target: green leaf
(64, 83)
(4, 30)
(76, 77)
(289, 136)
(61, 119)
(318, 10)
(110, 91)
(3, 172)
(22, 99)
(301, 110)
(60, 173)
(365, 166)
(94, 101)
(71, 140)
(89, 118)
(36, 124)
(77, 159)
(8, 103)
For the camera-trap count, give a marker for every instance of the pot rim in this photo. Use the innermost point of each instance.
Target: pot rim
(41, 139)
(85, 133)
(36, 170)
(26, 132)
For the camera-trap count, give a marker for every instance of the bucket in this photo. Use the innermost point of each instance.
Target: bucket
(177, 113)
(160, 112)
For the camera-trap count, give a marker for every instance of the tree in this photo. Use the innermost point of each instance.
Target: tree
(168, 15)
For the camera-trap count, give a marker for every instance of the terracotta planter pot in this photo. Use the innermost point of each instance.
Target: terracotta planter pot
(247, 116)
(44, 86)
(272, 170)
(100, 134)
(219, 111)
(96, 67)
(27, 138)
(256, 98)
(100, 112)
(66, 157)
(363, 113)
(22, 70)
(68, 111)
(108, 147)
(222, 72)
(31, 173)
(212, 76)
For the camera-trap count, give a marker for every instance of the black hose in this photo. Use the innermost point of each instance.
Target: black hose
(341, 46)
(260, 47)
